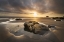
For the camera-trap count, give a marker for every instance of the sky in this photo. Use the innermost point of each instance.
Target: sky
(30, 6)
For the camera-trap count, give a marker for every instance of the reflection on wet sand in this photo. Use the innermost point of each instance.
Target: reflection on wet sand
(20, 35)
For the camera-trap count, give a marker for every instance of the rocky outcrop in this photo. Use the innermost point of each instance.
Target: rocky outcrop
(35, 27)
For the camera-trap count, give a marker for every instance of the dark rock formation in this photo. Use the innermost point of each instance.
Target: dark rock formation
(35, 27)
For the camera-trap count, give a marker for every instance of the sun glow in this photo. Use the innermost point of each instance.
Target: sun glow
(35, 14)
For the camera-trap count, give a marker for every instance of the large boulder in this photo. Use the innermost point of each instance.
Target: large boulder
(39, 28)
(29, 25)
(35, 27)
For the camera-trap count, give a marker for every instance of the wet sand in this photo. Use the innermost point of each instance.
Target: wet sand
(10, 32)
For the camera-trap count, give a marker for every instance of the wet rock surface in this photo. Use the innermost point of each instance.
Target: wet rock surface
(35, 27)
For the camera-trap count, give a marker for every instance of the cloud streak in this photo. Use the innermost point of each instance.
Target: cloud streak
(57, 6)
(41, 6)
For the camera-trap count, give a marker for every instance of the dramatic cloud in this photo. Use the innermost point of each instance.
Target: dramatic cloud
(20, 5)
(42, 6)
(57, 6)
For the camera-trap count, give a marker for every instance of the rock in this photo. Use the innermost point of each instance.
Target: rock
(35, 27)
(39, 27)
(29, 25)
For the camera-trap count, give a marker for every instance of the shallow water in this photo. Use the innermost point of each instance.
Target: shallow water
(18, 31)
(18, 34)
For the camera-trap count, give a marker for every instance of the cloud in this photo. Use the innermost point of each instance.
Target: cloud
(41, 6)
(57, 6)
(20, 5)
